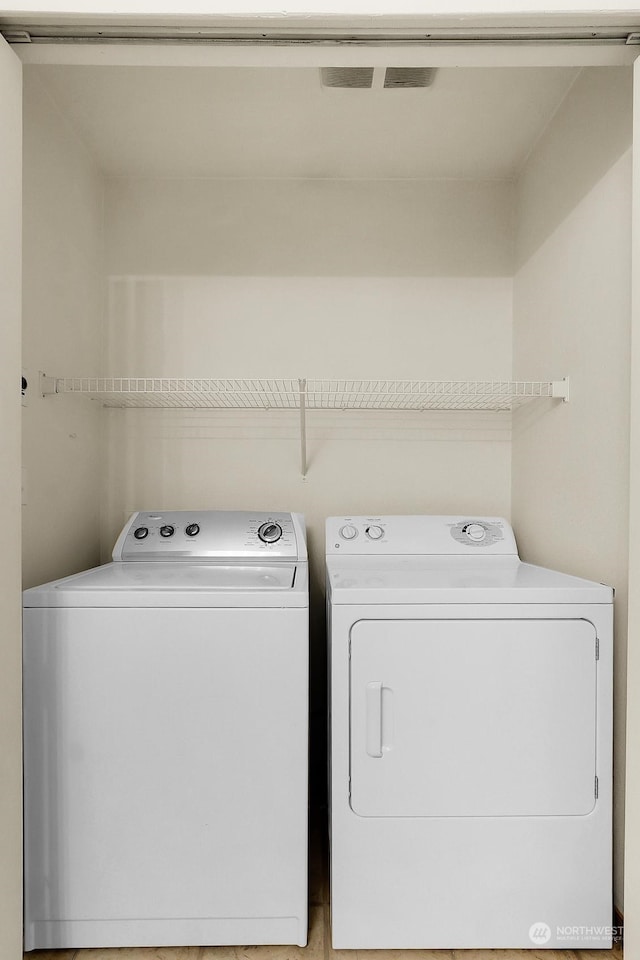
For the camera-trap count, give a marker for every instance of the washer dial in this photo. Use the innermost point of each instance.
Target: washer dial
(374, 532)
(141, 532)
(167, 530)
(270, 532)
(192, 530)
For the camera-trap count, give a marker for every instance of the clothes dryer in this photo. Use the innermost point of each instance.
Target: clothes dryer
(470, 739)
(165, 738)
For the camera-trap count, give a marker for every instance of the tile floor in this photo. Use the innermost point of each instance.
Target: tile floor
(319, 945)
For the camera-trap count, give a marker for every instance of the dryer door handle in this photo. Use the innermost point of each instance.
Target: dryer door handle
(374, 718)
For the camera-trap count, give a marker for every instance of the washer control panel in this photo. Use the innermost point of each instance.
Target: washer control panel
(206, 534)
(420, 536)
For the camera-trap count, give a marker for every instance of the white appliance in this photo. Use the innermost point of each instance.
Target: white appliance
(471, 724)
(165, 716)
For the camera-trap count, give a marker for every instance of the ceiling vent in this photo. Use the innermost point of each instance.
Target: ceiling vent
(364, 78)
(352, 78)
(406, 77)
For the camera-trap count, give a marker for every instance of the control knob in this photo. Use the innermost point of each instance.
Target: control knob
(348, 532)
(192, 530)
(475, 532)
(374, 532)
(167, 530)
(141, 532)
(270, 532)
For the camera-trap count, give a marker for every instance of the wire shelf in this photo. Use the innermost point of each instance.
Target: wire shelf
(293, 394)
(427, 394)
(303, 395)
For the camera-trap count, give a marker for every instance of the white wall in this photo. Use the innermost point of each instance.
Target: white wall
(572, 316)
(319, 8)
(308, 279)
(63, 300)
(632, 823)
(10, 606)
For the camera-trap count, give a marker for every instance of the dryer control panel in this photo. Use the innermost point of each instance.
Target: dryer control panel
(211, 534)
(420, 536)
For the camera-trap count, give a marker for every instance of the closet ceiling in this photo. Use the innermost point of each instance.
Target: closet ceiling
(281, 123)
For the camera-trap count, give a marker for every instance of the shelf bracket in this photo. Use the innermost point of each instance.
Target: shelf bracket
(560, 389)
(302, 388)
(48, 385)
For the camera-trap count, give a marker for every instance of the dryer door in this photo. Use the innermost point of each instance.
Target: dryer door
(473, 718)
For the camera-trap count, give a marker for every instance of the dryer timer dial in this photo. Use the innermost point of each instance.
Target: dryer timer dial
(475, 532)
(348, 532)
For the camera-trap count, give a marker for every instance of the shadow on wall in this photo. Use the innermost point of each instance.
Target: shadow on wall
(309, 228)
(569, 165)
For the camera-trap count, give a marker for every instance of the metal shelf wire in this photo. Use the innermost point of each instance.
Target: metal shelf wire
(428, 394)
(314, 394)
(303, 395)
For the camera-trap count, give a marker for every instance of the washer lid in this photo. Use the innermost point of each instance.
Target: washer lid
(139, 584)
(377, 580)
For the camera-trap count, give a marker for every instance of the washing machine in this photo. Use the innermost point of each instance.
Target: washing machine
(165, 738)
(470, 739)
